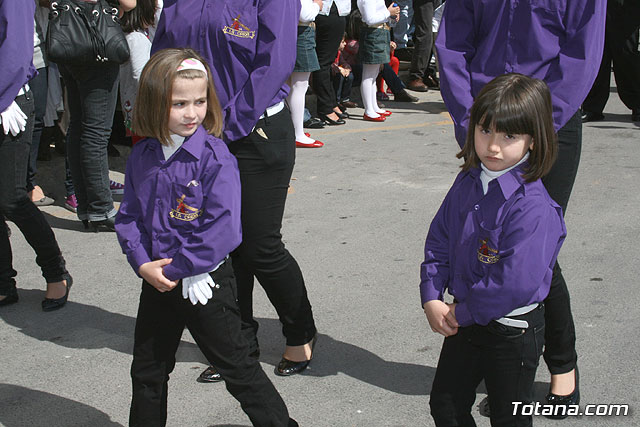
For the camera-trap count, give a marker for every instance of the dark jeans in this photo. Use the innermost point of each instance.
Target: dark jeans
(621, 50)
(422, 38)
(92, 93)
(343, 85)
(16, 206)
(265, 166)
(215, 327)
(504, 356)
(39, 87)
(560, 351)
(329, 32)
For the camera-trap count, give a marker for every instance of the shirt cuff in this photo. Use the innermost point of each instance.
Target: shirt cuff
(429, 293)
(138, 257)
(463, 316)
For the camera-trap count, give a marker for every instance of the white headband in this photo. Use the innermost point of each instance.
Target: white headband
(192, 64)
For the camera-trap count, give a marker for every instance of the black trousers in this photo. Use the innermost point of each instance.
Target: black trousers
(329, 32)
(266, 158)
(505, 357)
(422, 38)
(215, 327)
(622, 50)
(16, 206)
(560, 334)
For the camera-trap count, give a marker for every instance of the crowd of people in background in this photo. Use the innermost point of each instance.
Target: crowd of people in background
(244, 80)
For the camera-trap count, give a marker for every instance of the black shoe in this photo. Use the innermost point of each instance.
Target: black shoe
(210, 375)
(404, 96)
(588, 116)
(432, 82)
(313, 123)
(286, 367)
(11, 297)
(635, 115)
(559, 401)
(331, 122)
(51, 304)
(343, 115)
(108, 224)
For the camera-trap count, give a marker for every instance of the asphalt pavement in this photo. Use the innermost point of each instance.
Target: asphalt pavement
(356, 220)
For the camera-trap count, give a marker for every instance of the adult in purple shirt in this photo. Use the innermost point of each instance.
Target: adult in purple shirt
(561, 43)
(16, 127)
(251, 48)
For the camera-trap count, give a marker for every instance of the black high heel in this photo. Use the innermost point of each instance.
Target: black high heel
(51, 304)
(331, 122)
(287, 367)
(108, 224)
(566, 401)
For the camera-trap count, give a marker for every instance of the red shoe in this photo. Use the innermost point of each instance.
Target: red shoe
(386, 113)
(374, 119)
(314, 144)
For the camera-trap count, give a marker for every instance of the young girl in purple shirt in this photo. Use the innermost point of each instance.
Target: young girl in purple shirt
(492, 245)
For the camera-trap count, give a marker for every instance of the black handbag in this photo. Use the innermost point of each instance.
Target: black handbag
(85, 33)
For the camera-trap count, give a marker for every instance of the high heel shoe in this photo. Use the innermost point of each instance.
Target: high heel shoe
(287, 367)
(51, 304)
(331, 122)
(558, 401)
(108, 224)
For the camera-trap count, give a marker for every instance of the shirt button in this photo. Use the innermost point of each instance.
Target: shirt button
(476, 207)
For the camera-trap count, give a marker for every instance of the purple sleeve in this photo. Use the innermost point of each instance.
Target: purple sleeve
(573, 72)
(132, 235)
(274, 60)
(529, 244)
(220, 229)
(16, 48)
(455, 48)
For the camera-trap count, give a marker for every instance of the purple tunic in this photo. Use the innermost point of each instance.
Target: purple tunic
(558, 41)
(186, 208)
(250, 47)
(16, 48)
(495, 252)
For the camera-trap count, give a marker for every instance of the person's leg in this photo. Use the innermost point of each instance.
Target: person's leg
(597, 97)
(265, 167)
(368, 89)
(560, 354)
(392, 79)
(16, 206)
(329, 32)
(296, 98)
(454, 385)
(38, 86)
(422, 39)
(8, 292)
(509, 361)
(157, 335)
(626, 69)
(215, 327)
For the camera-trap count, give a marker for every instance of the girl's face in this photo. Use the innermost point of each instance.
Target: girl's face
(188, 105)
(498, 150)
(343, 43)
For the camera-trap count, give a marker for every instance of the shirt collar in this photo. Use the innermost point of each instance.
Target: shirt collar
(191, 145)
(508, 182)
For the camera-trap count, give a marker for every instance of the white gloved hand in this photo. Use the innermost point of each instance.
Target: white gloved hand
(198, 288)
(13, 119)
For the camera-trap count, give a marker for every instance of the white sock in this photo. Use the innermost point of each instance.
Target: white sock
(299, 85)
(368, 89)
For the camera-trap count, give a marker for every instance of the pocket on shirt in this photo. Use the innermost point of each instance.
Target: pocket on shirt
(186, 204)
(240, 29)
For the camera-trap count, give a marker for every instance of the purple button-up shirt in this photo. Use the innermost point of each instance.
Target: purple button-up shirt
(249, 45)
(495, 252)
(558, 41)
(186, 208)
(16, 48)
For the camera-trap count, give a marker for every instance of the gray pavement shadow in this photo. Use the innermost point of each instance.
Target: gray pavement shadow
(613, 117)
(64, 224)
(332, 356)
(80, 326)
(20, 406)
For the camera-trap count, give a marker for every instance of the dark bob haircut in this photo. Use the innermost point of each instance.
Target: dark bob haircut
(518, 105)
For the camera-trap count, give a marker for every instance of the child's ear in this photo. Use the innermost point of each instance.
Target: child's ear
(531, 145)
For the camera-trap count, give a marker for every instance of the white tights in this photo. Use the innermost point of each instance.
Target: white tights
(368, 90)
(299, 85)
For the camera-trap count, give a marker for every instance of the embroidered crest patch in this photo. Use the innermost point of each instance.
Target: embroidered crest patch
(238, 29)
(184, 212)
(486, 254)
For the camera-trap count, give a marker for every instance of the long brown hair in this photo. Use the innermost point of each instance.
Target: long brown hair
(153, 103)
(520, 105)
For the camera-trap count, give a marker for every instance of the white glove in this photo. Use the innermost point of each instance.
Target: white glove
(13, 119)
(198, 288)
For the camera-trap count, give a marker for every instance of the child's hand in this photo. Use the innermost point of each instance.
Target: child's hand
(393, 45)
(345, 72)
(441, 317)
(152, 273)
